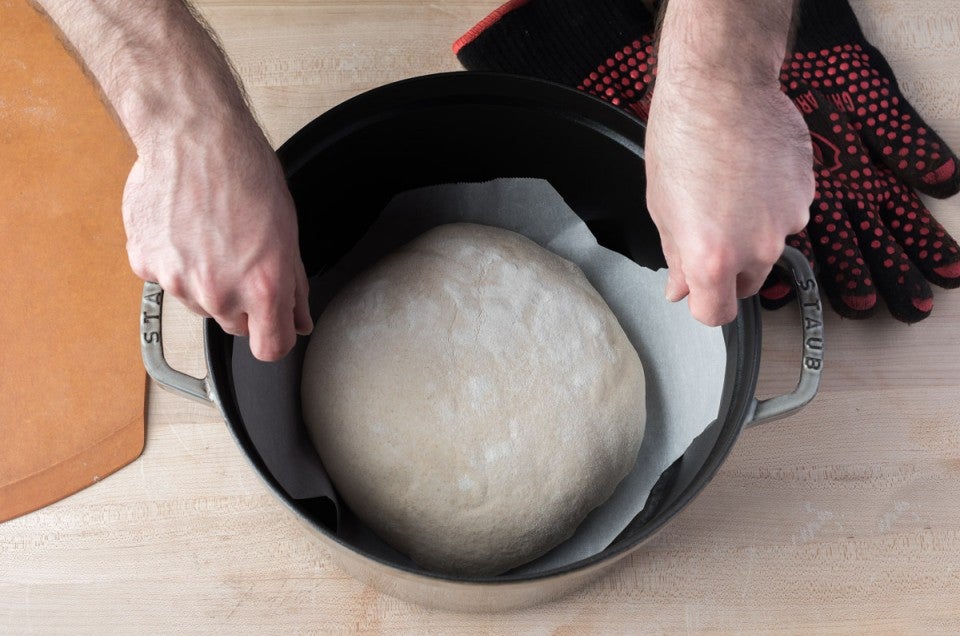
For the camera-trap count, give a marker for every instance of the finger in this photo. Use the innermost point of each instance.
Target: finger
(749, 282)
(752, 274)
(713, 291)
(676, 288)
(219, 305)
(272, 332)
(235, 324)
(900, 283)
(924, 240)
(896, 133)
(303, 321)
(844, 274)
(713, 304)
(872, 260)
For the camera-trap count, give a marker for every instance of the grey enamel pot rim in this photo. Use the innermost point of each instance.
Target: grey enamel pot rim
(343, 167)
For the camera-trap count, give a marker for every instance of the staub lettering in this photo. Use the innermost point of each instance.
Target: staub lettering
(150, 322)
(812, 324)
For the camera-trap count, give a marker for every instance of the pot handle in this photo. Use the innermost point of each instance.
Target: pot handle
(151, 349)
(811, 317)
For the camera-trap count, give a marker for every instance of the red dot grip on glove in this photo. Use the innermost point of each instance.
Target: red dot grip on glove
(870, 233)
(832, 56)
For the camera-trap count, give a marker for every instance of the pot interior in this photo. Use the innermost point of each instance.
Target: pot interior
(346, 165)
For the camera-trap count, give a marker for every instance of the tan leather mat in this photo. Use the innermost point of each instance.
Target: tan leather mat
(71, 380)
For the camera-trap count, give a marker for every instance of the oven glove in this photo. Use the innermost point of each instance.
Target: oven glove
(869, 234)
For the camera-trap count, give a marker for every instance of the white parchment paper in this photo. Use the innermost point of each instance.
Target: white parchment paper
(684, 361)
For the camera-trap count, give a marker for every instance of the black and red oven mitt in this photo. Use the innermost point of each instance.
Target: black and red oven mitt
(869, 234)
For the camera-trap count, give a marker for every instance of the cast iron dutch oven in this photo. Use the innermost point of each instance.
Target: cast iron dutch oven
(346, 165)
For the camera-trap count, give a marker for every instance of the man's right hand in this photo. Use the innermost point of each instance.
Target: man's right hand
(728, 178)
(729, 158)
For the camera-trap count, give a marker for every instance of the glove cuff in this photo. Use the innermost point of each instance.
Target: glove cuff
(558, 40)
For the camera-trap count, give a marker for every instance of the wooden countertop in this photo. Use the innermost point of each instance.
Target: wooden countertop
(844, 517)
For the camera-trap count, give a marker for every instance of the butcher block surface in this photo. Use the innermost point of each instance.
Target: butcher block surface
(844, 517)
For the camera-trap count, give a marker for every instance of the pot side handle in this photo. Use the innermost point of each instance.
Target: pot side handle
(811, 325)
(151, 349)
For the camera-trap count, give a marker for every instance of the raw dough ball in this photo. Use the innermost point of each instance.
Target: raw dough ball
(473, 398)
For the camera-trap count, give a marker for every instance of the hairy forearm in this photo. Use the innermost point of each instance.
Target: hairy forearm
(738, 41)
(154, 61)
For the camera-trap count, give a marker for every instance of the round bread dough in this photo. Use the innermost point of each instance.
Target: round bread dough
(472, 398)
